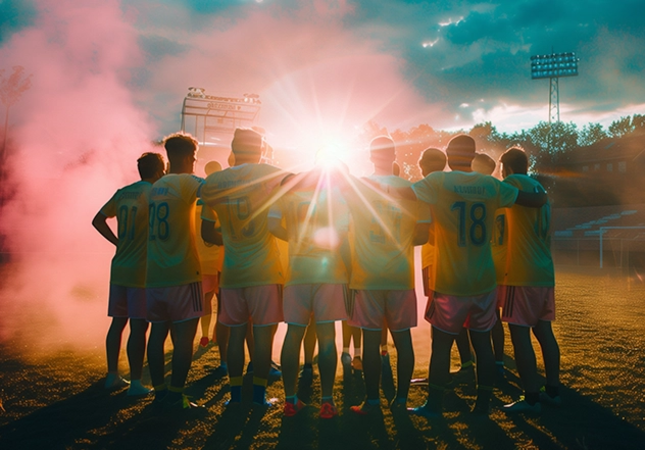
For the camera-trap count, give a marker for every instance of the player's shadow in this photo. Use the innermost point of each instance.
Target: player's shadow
(68, 422)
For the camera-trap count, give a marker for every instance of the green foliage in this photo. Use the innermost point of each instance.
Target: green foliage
(590, 134)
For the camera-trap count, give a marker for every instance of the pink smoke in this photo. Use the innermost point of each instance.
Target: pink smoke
(74, 139)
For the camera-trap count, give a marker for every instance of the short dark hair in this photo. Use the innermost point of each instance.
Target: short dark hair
(433, 159)
(150, 164)
(180, 144)
(247, 141)
(515, 158)
(483, 163)
(462, 145)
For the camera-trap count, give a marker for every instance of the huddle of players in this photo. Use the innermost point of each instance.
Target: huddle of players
(342, 232)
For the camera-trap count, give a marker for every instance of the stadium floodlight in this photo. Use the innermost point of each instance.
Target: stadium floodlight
(554, 66)
(206, 116)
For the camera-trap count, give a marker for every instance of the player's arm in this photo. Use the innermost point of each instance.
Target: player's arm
(100, 223)
(209, 233)
(421, 233)
(531, 199)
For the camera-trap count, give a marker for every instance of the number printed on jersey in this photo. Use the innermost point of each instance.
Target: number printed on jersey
(471, 222)
(159, 228)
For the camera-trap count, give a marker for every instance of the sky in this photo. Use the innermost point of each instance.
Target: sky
(329, 65)
(108, 78)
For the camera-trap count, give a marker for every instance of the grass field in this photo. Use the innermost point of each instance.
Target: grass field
(53, 397)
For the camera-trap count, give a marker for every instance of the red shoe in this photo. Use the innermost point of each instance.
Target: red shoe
(204, 341)
(327, 411)
(365, 409)
(291, 409)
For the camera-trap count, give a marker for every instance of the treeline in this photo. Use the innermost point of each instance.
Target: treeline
(548, 145)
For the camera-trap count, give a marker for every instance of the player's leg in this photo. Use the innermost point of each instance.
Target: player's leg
(263, 347)
(345, 357)
(290, 358)
(404, 364)
(156, 361)
(136, 354)
(205, 320)
(439, 373)
(551, 354)
(357, 337)
(112, 350)
(182, 356)
(327, 357)
(463, 346)
(481, 341)
(310, 345)
(372, 363)
(222, 333)
(497, 334)
(235, 360)
(527, 368)
(250, 345)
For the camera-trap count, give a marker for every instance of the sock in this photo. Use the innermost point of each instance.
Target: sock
(259, 390)
(500, 363)
(357, 352)
(552, 391)
(236, 388)
(373, 401)
(293, 399)
(346, 350)
(329, 399)
(174, 394)
(467, 364)
(223, 365)
(308, 366)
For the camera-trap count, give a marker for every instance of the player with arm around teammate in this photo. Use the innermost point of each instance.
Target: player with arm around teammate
(527, 291)
(127, 299)
(252, 277)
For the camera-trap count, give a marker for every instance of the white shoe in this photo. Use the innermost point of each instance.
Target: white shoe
(115, 381)
(522, 406)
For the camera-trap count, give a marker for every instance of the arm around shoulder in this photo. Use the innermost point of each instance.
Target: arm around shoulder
(531, 199)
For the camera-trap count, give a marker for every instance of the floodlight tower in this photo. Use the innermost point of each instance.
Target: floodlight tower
(553, 67)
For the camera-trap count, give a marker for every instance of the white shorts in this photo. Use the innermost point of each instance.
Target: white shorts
(370, 308)
(262, 304)
(127, 302)
(175, 303)
(325, 301)
(526, 305)
(448, 313)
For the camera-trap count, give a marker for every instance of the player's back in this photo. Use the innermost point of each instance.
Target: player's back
(241, 196)
(172, 253)
(130, 207)
(382, 236)
(529, 261)
(316, 219)
(463, 206)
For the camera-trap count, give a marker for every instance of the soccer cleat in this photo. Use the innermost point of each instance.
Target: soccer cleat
(547, 399)
(522, 406)
(500, 373)
(136, 389)
(327, 411)
(181, 404)
(399, 404)
(291, 409)
(113, 381)
(357, 363)
(366, 409)
(204, 341)
(426, 411)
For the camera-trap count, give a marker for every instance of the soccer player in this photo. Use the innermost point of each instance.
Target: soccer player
(128, 272)
(316, 223)
(174, 284)
(252, 276)
(528, 289)
(486, 165)
(384, 233)
(463, 203)
(209, 257)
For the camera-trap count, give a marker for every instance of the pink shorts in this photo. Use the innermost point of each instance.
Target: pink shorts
(325, 301)
(175, 303)
(210, 283)
(448, 313)
(526, 305)
(262, 304)
(370, 308)
(127, 302)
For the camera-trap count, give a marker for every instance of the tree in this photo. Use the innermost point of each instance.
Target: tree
(590, 134)
(621, 127)
(553, 141)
